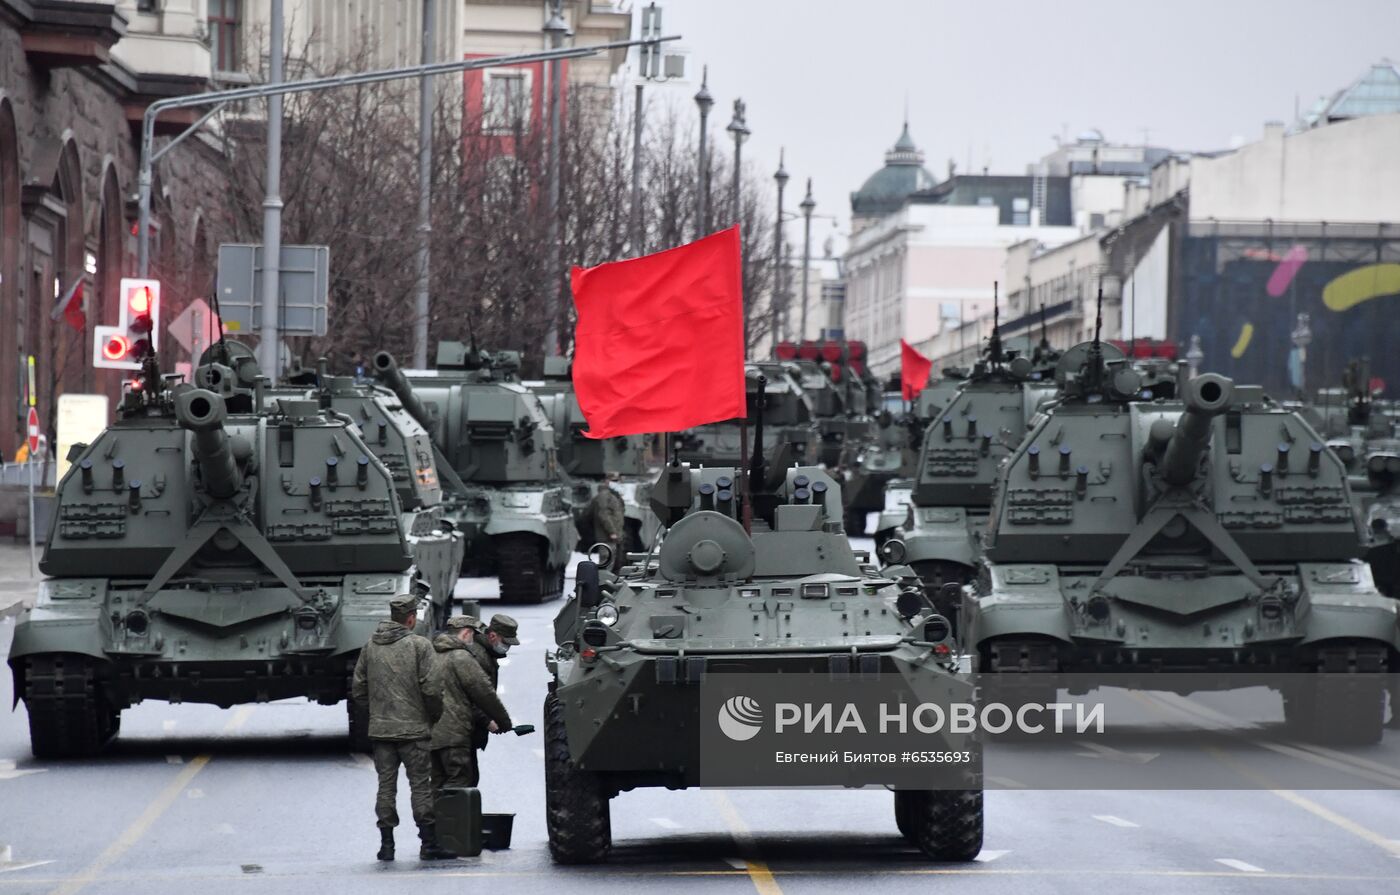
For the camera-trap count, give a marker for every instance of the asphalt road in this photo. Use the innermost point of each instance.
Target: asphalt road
(267, 798)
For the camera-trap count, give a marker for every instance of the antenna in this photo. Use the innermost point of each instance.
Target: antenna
(756, 468)
(994, 343)
(1095, 370)
(1044, 336)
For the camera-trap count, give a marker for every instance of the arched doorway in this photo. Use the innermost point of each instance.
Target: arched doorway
(11, 220)
(56, 247)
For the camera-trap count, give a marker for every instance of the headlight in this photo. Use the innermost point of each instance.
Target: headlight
(607, 614)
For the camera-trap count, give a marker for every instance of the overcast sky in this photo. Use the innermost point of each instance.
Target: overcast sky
(997, 80)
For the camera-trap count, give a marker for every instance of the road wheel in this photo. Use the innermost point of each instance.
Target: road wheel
(69, 716)
(946, 825)
(903, 799)
(358, 724)
(576, 810)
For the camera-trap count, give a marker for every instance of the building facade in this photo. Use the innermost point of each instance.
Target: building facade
(75, 80)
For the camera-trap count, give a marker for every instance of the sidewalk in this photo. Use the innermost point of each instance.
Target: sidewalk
(16, 586)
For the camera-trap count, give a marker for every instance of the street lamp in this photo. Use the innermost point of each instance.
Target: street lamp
(738, 129)
(808, 205)
(651, 66)
(781, 178)
(704, 101)
(556, 29)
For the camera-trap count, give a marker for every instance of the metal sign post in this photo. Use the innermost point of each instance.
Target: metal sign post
(33, 445)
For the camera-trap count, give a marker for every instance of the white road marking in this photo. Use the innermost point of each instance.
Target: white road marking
(1114, 821)
(194, 793)
(987, 855)
(12, 866)
(167, 725)
(174, 759)
(8, 771)
(1236, 864)
(665, 823)
(1102, 751)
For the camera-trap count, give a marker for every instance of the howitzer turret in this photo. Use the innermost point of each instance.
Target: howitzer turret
(387, 371)
(203, 413)
(1206, 397)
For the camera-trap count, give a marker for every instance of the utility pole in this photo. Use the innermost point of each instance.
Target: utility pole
(808, 206)
(776, 304)
(636, 217)
(557, 30)
(649, 68)
(704, 101)
(269, 343)
(425, 187)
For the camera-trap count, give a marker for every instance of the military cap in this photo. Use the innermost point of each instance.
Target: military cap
(505, 627)
(403, 606)
(458, 622)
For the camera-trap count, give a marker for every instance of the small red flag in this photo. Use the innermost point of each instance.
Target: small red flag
(913, 371)
(659, 345)
(70, 305)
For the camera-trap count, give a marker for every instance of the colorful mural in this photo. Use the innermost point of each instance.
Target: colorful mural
(1285, 312)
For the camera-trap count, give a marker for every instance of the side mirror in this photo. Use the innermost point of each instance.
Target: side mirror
(893, 552)
(586, 585)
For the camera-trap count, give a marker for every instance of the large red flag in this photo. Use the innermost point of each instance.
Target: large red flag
(659, 344)
(70, 305)
(913, 371)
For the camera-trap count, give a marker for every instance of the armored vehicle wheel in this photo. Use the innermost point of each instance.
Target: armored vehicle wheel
(69, 716)
(522, 571)
(854, 523)
(358, 724)
(1336, 705)
(902, 810)
(576, 811)
(946, 825)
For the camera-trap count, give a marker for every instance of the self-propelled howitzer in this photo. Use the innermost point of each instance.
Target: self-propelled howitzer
(207, 550)
(1207, 533)
(497, 456)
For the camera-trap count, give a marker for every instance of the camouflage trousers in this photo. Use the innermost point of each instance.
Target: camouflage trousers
(455, 766)
(416, 759)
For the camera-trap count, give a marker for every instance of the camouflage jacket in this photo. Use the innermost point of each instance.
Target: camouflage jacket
(396, 678)
(466, 693)
(489, 664)
(609, 514)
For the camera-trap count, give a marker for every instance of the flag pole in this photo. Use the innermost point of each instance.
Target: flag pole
(743, 466)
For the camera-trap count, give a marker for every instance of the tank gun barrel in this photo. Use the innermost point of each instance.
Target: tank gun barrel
(387, 371)
(203, 413)
(1206, 397)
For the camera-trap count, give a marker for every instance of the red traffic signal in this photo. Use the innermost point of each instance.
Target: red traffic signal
(136, 334)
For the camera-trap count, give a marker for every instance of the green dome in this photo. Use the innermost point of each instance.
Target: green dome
(886, 190)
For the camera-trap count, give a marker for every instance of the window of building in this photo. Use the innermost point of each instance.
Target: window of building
(505, 102)
(147, 5)
(225, 33)
(1020, 212)
(1095, 221)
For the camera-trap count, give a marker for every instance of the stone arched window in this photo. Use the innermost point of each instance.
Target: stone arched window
(105, 306)
(65, 350)
(11, 221)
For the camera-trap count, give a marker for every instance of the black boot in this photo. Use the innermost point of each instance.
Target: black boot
(386, 844)
(429, 849)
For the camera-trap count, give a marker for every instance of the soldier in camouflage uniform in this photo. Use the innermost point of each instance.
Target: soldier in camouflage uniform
(466, 691)
(609, 516)
(489, 647)
(396, 680)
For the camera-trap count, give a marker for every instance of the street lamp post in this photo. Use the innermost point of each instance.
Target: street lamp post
(704, 101)
(739, 130)
(557, 30)
(425, 188)
(781, 178)
(269, 340)
(650, 68)
(808, 205)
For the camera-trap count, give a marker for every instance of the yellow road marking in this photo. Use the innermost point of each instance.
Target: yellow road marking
(757, 870)
(139, 827)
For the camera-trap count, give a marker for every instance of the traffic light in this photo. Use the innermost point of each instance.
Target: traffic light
(122, 346)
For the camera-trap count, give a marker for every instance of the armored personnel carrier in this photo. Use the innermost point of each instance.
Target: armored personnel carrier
(791, 435)
(1210, 532)
(404, 447)
(588, 461)
(898, 490)
(208, 549)
(634, 651)
(497, 455)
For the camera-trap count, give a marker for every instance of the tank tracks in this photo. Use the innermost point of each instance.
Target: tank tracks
(577, 811)
(521, 568)
(69, 716)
